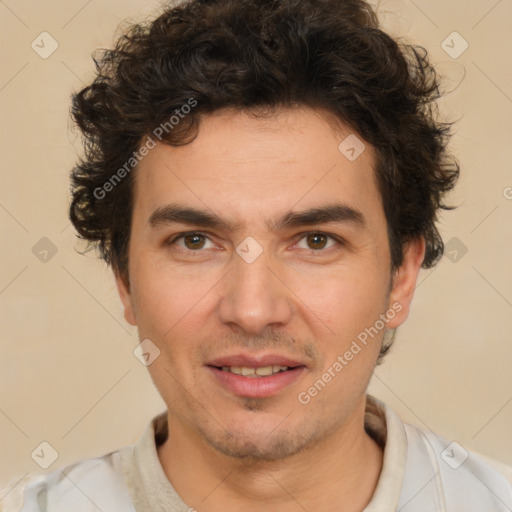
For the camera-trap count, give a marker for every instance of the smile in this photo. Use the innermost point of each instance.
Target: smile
(262, 371)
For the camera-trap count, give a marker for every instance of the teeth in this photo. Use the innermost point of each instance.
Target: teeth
(262, 371)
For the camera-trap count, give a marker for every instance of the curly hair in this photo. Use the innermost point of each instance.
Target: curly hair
(257, 56)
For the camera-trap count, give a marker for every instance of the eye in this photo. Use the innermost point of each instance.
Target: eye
(192, 241)
(316, 241)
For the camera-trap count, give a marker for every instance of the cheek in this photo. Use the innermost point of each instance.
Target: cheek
(346, 300)
(348, 324)
(167, 302)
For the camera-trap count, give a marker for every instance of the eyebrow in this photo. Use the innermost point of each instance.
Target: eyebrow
(331, 213)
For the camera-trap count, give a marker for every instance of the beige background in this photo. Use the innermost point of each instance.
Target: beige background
(68, 375)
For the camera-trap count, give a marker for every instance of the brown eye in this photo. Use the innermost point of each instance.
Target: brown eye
(194, 241)
(316, 240)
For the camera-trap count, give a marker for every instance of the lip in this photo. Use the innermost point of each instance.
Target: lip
(255, 361)
(255, 387)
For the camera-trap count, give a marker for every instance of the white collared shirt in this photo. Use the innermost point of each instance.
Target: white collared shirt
(421, 472)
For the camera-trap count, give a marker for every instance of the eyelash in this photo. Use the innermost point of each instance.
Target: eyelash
(182, 235)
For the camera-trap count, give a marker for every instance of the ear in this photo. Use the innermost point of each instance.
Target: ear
(123, 288)
(404, 281)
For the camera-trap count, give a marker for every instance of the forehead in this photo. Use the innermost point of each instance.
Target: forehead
(247, 167)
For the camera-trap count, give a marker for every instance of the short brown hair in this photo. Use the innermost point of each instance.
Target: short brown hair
(263, 54)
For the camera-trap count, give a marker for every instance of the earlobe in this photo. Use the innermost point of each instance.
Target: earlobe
(126, 298)
(404, 281)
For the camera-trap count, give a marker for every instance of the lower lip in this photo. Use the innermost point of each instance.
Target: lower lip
(256, 387)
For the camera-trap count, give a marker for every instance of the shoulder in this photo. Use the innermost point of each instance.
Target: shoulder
(451, 476)
(88, 485)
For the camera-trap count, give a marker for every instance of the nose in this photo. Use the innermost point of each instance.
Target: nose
(254, 296)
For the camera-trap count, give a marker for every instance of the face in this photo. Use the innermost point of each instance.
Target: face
(259, 265)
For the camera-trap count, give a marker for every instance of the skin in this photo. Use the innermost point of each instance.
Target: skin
(305, 298)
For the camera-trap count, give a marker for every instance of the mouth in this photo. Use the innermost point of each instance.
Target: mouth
(260, 371)
(255, 377)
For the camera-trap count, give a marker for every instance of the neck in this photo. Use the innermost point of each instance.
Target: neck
(342, 469)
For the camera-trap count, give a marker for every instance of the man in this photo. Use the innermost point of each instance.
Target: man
(264, 178)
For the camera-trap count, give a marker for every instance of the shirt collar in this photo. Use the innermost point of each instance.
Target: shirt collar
(151, 490)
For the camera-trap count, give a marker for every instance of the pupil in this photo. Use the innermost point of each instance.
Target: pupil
(317, 241)
(194, 241)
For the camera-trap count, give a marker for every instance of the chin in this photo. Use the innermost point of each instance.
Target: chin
(261, 450)
(255, 441)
